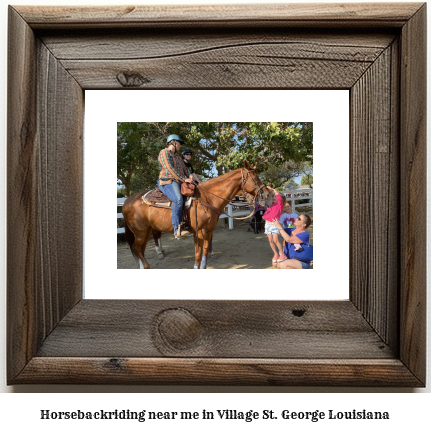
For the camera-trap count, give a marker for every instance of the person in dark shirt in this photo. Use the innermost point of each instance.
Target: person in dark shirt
(256, 221)
(187, 155)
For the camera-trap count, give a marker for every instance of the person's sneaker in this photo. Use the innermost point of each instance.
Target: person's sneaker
(275, 258)
(282, 258)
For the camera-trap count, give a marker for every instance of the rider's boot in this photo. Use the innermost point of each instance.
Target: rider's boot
(181, 233)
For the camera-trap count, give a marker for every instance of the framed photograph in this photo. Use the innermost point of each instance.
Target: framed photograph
(238, 248)
(376, 337)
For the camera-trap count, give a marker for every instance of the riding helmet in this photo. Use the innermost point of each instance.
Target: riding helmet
(187, 150)
(174, 137)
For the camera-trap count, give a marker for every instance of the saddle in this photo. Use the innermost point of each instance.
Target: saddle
(156, 198)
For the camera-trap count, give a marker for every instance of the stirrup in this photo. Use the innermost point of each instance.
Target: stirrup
(181, 233)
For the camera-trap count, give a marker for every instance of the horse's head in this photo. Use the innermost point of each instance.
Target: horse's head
(251, 183)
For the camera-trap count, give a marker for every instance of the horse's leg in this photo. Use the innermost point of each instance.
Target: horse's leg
(211, 249)
(206, 248)
(157, 235)
(140, 244)
(201, 250)
(198, 253)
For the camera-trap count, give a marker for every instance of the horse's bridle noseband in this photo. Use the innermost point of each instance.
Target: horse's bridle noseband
(244, 181)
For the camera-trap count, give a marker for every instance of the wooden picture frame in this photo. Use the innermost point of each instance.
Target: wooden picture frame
(376, 338)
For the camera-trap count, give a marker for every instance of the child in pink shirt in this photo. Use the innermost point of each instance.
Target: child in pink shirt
(274, 212)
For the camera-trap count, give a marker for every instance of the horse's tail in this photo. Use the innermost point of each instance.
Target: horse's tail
(130, 237)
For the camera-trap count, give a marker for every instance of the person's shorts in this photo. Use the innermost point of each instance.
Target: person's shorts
(271, 228)
(305, 265)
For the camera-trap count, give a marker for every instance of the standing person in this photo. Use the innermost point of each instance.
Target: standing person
(187, 156)
(288, 218)
(273, 212)
(292, 237)
(257, 218)
(173, 172)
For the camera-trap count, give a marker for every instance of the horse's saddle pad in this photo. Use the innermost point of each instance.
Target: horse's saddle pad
(156, 196)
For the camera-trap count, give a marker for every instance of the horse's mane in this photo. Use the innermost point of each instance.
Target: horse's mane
(219, 178)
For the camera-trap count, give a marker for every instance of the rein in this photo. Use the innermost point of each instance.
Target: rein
(243, 182)
(216, 210)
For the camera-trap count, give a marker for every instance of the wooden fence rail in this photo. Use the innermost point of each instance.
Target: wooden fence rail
(292, 195)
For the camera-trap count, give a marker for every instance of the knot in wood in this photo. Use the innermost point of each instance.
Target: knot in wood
(298, 312)
(115, 363)
(178, 329)
(131, 79)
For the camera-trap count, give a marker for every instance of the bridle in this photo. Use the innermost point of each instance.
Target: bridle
(256, 186)
(244, 181)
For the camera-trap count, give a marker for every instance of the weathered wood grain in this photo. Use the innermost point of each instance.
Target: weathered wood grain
(329, 372)
(226, 329)
(45, 185)
(374, 213)
(59, 183)
(258, 59)
(22, 199)
(291, 14)
(413, 193)
(226, 71)
(140, 45)
(394, 217)
(376, 338)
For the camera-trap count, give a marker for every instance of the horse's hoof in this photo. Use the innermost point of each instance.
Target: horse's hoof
(160, 256)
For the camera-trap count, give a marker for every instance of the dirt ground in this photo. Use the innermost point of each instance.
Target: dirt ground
(233, 249)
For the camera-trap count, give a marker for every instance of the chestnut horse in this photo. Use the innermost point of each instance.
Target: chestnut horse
(140, 219)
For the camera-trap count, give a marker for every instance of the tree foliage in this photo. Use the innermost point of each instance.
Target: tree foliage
(307, 180)
(277, 176)
(268, 144)
(274, 148)
(138, 145)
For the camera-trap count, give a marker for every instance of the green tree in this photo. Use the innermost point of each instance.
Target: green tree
(291, 183)
(222, 146)
(226, 145)
(307, 180)
(138, 145)
(267, 144)
(120, 192)
(278, 176)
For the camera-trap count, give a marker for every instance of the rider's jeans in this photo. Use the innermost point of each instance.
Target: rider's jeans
(173, 192)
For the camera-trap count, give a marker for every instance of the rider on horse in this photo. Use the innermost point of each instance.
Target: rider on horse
(187, 155)
(173, 172)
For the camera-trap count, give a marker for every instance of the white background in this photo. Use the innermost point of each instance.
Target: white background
(328, 280)
(22, 409)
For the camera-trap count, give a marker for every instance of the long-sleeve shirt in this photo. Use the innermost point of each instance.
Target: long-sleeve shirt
(172, 166)
(258, 208)
(274, 211)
